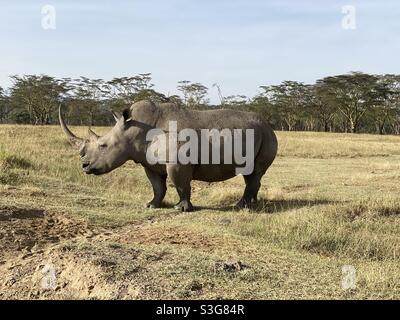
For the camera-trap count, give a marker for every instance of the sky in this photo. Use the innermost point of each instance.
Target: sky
(238, 44)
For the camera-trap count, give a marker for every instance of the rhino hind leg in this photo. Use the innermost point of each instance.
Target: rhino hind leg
(158, 182)
(253, 184)
(263, 161)
(181, 176)
(249, 198)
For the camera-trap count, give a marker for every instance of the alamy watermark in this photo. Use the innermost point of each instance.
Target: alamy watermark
(49, 279)
(184, 147)
(349, 277)
(49, 17)
(349, 19)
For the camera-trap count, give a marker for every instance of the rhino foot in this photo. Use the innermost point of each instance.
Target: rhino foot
(244, 204)
(153, 205)
(184, 205)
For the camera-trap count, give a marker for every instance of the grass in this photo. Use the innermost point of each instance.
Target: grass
(329, 200)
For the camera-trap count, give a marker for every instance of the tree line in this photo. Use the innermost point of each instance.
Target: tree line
(353, 102)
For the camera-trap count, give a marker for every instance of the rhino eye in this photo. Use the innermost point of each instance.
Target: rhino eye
(103, 145)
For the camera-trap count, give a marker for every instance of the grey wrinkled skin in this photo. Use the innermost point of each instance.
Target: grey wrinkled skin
(127, 141)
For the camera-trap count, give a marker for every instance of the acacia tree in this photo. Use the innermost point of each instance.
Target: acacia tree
(122, 88)
(352, 102)
(236, 101)
(89, 93)
(175, 99)
(290, 98)
(183, 87)
(194, 94)
(152, 95)
(38, 95)
(2, 105)
(353, 94)
(127, 88)
(387, 106)
(261, 105)
(124, 91)
(324, 110)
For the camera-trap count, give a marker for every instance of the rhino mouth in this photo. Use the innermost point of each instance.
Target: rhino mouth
(92, 171)
(88, 169)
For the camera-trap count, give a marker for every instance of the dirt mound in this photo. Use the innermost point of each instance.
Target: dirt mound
(78, 273)
(29, 230)
(47, 255)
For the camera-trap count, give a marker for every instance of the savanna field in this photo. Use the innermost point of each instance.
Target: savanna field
(328, 201)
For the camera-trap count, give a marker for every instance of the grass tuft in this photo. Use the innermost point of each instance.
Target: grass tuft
(12, 161)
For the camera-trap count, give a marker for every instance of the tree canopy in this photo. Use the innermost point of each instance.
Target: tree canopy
(352, 102)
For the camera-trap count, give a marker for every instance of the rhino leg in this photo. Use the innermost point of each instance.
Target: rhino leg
(158, 182)
(249, 197)
(263, 160)
(253, 184)
(181, 176)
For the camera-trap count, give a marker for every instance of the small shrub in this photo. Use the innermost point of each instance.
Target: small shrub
(11, 161)
(9, 178)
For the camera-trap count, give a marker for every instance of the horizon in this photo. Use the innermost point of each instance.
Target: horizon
(239, 46)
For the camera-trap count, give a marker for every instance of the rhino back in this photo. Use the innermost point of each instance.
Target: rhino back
(159, 115)
(207, 119)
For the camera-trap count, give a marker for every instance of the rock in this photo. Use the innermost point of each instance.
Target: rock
(230, 266)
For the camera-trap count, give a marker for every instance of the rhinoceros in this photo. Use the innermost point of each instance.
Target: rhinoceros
(128, 140)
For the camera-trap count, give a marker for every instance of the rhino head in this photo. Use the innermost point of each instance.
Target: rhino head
(102, 154)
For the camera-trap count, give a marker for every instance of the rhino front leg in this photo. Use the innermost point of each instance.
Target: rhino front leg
(158, 182)
(181, 176)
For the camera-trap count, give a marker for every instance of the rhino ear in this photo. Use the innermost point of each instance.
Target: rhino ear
(92, 135)
(126, 114)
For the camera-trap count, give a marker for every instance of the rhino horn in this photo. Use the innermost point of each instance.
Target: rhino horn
(73, 139)
(116, 115)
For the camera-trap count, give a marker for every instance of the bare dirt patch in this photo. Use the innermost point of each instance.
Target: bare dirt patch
(174, 235)
(47, 255)
(28, 230)
(71, 272)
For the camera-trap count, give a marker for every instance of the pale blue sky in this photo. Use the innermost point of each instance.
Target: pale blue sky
(236, 43)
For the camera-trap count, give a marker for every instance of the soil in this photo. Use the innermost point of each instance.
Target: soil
(53, 255)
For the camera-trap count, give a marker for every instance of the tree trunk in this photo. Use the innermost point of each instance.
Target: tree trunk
(326, 126)
(353, 126)
(382, 127)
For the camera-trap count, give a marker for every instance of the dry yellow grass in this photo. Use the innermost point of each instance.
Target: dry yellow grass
(329, 200)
